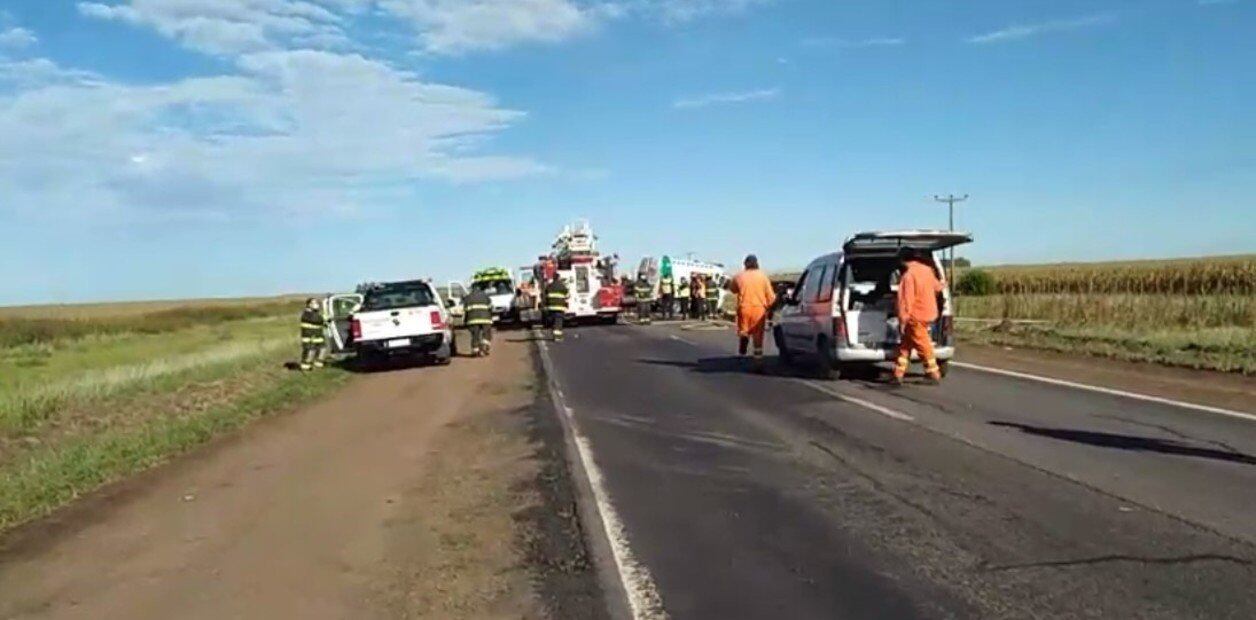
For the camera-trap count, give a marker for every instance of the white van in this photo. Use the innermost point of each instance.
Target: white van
(843, 309)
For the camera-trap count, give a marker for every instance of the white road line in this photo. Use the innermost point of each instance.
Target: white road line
(1114, 392)
(643, 599)
(885, 411)
(684, 340)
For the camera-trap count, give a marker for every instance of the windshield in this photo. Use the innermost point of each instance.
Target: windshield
(400, 295)
(494, 287)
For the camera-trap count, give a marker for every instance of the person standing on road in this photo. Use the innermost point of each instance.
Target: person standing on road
(645, 299)
(683, 297)
(697, 297)
(312, 335)
(556, 305)
(754, 297)
(667, 295)
(918, 290)
(478, 309)
(713, 298)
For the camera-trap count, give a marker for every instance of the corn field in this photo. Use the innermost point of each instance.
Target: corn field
(1203, 276)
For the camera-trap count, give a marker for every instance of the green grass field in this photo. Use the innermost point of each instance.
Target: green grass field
(95, 402)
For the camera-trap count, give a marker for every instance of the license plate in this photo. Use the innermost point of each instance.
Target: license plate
(399, 342)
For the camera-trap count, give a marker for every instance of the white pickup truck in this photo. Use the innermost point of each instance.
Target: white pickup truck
(402, 318)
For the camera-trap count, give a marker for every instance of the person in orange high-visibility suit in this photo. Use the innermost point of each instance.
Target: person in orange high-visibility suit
(754, 297)
(918, 290)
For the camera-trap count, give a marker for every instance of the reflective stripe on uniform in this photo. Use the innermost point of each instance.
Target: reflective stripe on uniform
(311, 326)
(479, 321)
(478, 307)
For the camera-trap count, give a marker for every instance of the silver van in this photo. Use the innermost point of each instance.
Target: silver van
(842, 312)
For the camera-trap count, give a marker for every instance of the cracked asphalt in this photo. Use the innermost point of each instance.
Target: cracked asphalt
(775, 496)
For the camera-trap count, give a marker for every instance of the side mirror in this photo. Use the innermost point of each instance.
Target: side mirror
(451, 302)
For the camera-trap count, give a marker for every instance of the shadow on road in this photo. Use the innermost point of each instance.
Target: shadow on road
(1131, 442)
(731, 364)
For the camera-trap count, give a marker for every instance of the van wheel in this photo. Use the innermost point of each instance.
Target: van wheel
(778, 336)
(826, 369)
(944, 366)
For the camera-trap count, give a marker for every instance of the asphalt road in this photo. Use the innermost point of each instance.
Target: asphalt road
(737, 495)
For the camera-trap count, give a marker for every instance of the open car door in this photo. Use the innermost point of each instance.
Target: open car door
(457, 292)
(338, 309)
(890, 242)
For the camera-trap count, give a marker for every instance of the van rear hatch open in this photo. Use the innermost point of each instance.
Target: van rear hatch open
(888, 243)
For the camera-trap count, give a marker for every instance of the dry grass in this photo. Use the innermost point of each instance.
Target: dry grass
(1222, 275)
(112, 310)
(19, 329)
(1198, 312)
(1117, 310)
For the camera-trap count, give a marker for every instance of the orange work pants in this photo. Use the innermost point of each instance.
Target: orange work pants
(751, 323)
(916, 336)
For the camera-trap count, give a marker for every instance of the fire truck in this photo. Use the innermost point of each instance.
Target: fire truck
(593, 293)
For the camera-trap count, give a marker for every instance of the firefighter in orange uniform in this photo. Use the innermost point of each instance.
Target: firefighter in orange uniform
(918, 290)
(754, 297)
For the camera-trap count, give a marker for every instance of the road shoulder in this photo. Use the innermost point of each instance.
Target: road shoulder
(1203, 387)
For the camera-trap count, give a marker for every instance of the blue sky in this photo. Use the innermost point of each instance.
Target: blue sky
(187, 148)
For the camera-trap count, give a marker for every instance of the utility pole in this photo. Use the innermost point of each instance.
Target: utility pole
(950, 201)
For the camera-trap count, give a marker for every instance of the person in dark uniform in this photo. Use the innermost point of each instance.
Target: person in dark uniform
(312, 338)
(713, 298)
(479, 316)
(645, 300)
(556, 305)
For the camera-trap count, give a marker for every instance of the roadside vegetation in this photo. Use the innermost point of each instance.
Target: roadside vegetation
(1198, 313)
(88, 399)
(31, 326)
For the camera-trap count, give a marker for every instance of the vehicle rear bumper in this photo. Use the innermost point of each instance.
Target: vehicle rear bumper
(886, 354)
(428, 344)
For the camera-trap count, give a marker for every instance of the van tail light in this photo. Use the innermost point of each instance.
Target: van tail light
(355, 329)
(839, 329)
(438, 322)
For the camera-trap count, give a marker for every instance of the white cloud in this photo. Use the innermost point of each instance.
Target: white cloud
(441, 26)
(1015, 32)
(456, 26)
(722, 98)
(855, 44)
(17, 37)
(294, 131)
(304, 120)
(229, 26)
(678, 11)
(459, 26)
